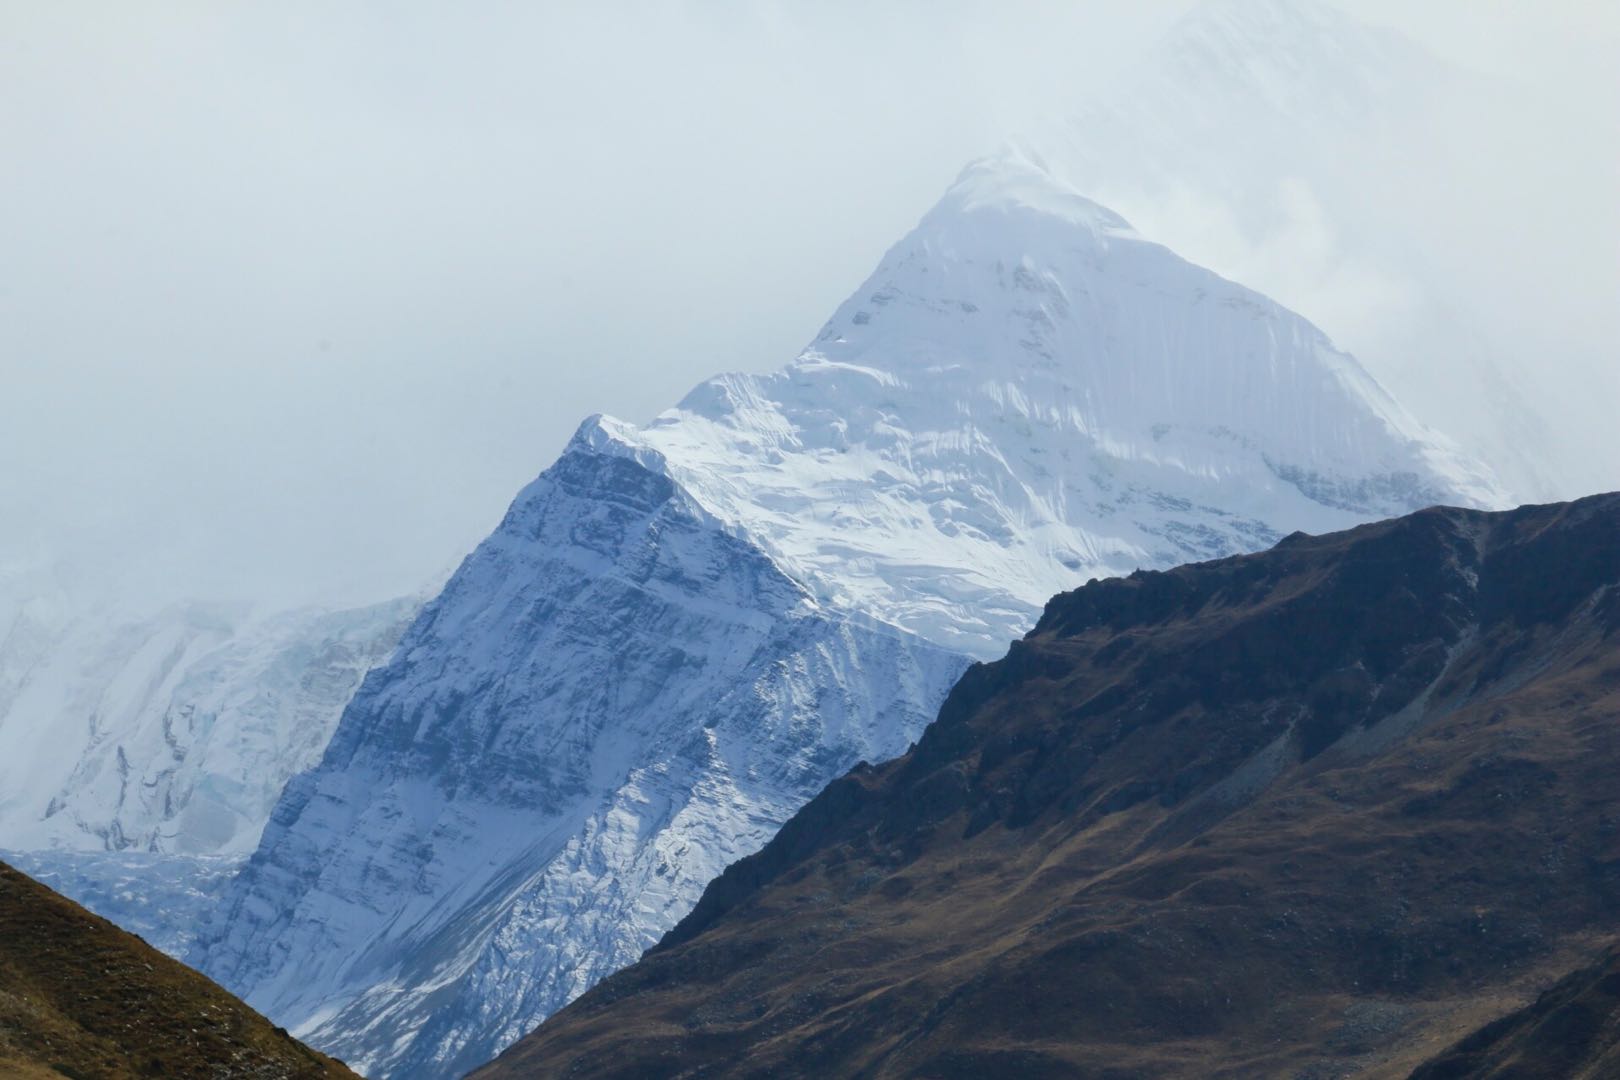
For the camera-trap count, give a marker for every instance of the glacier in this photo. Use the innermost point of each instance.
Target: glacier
(141, 752)
(171, 732)
(682, 630)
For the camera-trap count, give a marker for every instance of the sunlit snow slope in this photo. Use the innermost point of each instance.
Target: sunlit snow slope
(681, 632)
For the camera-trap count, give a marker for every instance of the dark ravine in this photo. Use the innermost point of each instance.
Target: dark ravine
(82, 999)
(1318, 812)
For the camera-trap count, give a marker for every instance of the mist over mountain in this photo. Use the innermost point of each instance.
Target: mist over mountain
(1262, 139)
(292, 315)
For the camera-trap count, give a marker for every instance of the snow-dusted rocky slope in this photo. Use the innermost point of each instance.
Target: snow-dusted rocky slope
(682, 631)
(1228, 141)
(171, 733)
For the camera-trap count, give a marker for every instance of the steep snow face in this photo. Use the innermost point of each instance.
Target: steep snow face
(1027, 394)
(168, 733)
(682, 632)
(1228, 141)
(613, 699)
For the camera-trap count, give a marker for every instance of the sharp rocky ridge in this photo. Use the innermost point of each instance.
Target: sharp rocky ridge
(683, 631)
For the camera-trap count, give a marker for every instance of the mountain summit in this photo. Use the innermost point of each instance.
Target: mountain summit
(681, 632)
(1025, 394)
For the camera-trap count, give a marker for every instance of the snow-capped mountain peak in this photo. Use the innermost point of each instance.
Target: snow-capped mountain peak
(681, 631)
(1019, 368)
(1016, 180)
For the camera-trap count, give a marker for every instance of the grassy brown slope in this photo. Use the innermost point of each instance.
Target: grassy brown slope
(1314, 813)
(1572, 1032)
(81, 998)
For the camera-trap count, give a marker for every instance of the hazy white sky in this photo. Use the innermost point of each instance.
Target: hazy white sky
(295, 296)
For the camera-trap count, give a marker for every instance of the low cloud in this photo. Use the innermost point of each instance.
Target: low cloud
(296, 297)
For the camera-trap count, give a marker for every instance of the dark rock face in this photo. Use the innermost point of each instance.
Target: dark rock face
(81, 998)
(1315, 812)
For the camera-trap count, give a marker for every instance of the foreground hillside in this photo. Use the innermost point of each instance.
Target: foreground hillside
(1321, 811)
(81, 998)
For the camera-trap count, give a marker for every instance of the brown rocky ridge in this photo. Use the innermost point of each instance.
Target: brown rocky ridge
(82, 999)
(1317, 812)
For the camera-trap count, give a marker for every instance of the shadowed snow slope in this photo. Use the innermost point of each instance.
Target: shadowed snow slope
(681, 632)
(613, 699)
